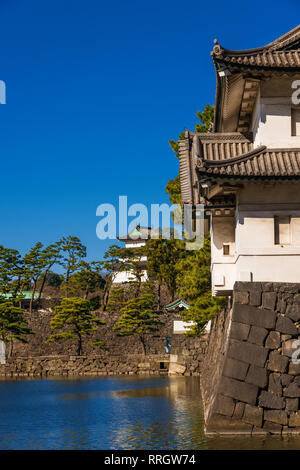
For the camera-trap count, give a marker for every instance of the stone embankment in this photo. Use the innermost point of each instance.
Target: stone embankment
(186, 364)
(250, 384)
(123, 356)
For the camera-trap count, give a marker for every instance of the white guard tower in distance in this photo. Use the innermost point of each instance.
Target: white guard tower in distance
(135, 239)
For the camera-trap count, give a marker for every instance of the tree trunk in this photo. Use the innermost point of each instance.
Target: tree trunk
(11, 349)
(42, 285)
(79, 346)
(32, 297)
(143, 344)
(158, 297)
(106, 297)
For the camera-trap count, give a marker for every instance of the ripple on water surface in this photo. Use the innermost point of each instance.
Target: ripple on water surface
(112, 413)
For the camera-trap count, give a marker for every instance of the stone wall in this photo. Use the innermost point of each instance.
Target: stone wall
(104, 364)
(122, 356)
(39, 322)
(249, 381)
(65, 365)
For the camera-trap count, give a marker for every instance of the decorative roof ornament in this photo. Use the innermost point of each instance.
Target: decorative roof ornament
(283, 52)
(217, 50)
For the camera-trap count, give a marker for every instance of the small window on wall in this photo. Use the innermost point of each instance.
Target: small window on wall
(295, 121)
(282, 229)
(226, 250)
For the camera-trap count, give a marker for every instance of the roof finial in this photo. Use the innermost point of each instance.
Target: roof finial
(216, 41)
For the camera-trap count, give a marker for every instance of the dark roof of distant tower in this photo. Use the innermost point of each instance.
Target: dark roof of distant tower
(138, 233)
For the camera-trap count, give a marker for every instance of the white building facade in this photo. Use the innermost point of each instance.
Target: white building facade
(136, 239)
(247, 171)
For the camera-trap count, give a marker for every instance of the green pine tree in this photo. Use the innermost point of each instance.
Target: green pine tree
(74, 317)
(194, 281)
(139, 315)
(13, 325)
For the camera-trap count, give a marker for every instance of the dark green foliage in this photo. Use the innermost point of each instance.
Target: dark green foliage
(173, 189)
(139, 315)
(117, 298)
(13, 325)
(75, 320)
(162, 256)
(72, 251)
(206, 118)
(95, 302)
(54, 279)
(119, 259)
(12, 275)
(194, 285)
(86, 280)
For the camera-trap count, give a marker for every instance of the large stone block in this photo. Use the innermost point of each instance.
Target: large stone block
(273, 428)
(294, 369)
(257, 335)
(287, 347)
(251, 353)
(273, 340)
(292, 404)
(293, 311)
(292, 391)
(277, 363)
(241, 297)
(286, 379)
(294, 419)
(239, 390)
(271, 401)
(224, 405)
(254, 316)
(239, 331)
(255, 298)
(257, 376)
(285, 325)
(242, 286)
(296, 380)
(276, 416)
(281, 305)
(275, 384)
(253, 415)
(235, 369)
(238, 410)
(269, 300)
(224, 424)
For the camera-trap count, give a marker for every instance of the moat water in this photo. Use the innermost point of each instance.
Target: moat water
(112, 413)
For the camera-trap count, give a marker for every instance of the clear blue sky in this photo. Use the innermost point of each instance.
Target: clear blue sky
(95, 90)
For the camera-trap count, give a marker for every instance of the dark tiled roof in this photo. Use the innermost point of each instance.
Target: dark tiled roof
(139, 233)
(281, 53)
(232, 111)
(197, 147)
(261, 162)
(216, 155)
(282, 59)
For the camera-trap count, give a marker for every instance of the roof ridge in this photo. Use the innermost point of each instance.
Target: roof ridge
(240, 158)
(274, 46)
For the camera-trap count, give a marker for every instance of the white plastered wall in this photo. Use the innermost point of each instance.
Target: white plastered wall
(257, 257)
(272, 123)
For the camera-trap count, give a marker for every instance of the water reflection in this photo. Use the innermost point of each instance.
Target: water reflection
(112, 413)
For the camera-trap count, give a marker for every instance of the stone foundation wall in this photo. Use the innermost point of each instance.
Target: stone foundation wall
(105, 364)
(123, 356)
(249, 382)
(39, 322)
